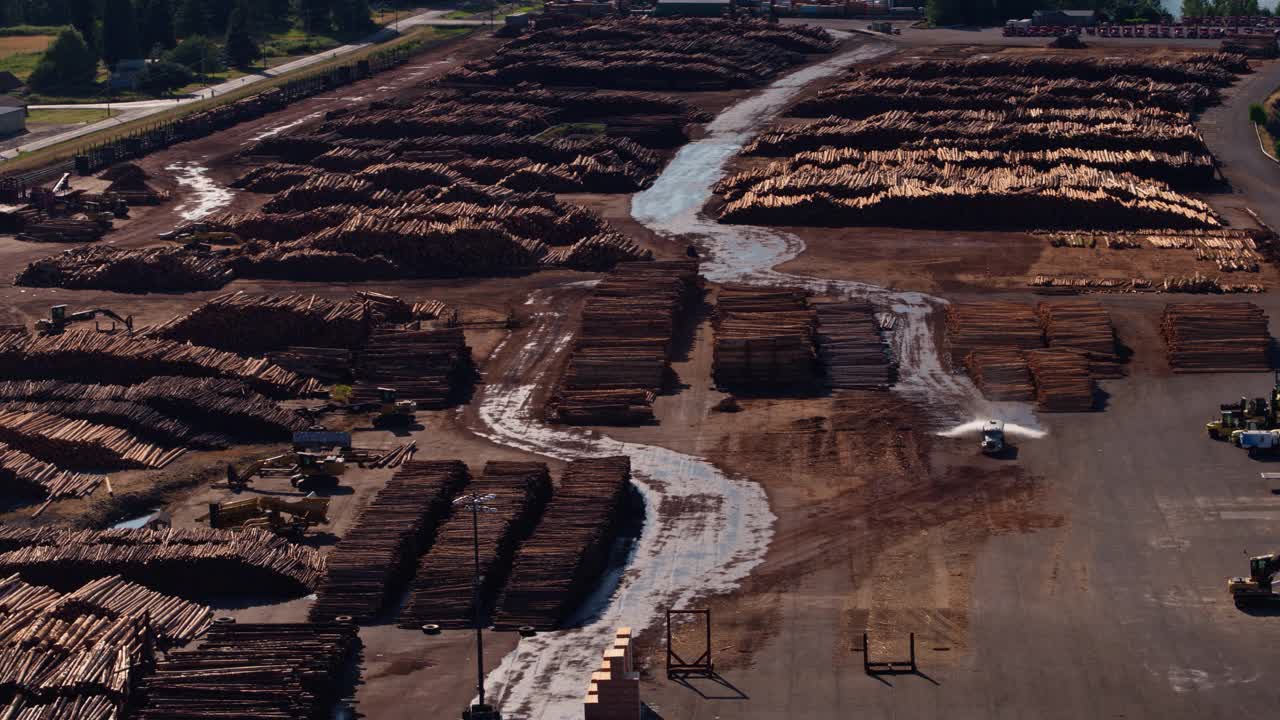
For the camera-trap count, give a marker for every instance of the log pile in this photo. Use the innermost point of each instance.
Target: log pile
(764, 339)
(255, 324)
(267, 671)
(372, 562)
(1216, 337)
(165, 269)
(442, 591)
(1001, 374)
(851, 350)
(1083, 325)
(557, 567)
(173, 620)
(80, 444)
(1231, 249)
(178, 561)
(25, 477)
(432, 367)
(62, 230)
(990, 325)
(101, 357)
(1064, 382)
(620, 358)
(326, 364)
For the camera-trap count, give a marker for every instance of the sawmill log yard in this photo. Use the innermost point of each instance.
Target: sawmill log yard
(656, 367)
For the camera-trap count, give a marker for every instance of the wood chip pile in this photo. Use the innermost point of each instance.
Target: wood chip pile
(764, 339)
(559, 565)
(1083, 325)
(1216, 337)
(620, 357)
(432, 367)
(100, 357)
(991, 142)
(651, 53)
(851, 350)
(164, 269)
(1001, 374)
(1063, 380)
(178, 561)
(255, 324)
(371, 563)
(442, 590)
(266, 671)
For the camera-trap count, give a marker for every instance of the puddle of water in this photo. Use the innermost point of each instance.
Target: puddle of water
(276, 130)
(208, 196)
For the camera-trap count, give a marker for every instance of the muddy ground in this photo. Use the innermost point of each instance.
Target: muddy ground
(1081, 578)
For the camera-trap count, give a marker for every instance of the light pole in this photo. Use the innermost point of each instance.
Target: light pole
(477, 504)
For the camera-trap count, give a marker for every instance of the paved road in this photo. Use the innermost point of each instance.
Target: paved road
(131, 111)
(1229, 134)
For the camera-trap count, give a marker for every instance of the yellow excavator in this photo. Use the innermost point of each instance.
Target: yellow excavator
(298, 466)
(59, 319)
(290, 518)
(1256, 588)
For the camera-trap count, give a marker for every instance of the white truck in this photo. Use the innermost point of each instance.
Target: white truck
(993, 437)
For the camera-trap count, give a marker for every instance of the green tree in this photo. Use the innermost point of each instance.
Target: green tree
(157, 24)
(314, 15)
(239, 45)
(1195, 8)
(84, 18)
(190, 18)
(352, 15)
(198, 53)
(121, 39)
(1257, 114)
(163, 77)
(68, 63)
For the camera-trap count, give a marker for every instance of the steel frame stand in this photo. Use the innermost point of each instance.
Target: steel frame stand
(701, 666)
(890, 667)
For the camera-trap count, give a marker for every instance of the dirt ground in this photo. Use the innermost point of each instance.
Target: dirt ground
(1081, 578)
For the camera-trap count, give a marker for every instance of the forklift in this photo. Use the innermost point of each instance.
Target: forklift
(1247, 414)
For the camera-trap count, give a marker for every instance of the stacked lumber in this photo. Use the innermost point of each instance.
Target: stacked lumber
(164, 269)
(80, 444)
(651, 53)
(326, 364)
(614, 690)
(851, 350)
(370, 564)
(764, 339)
(1083, 325)
(23, 476)
(443, 590)
(101, 357)
(1064, 381)
(172, 619)
(1216, 337)
(62, 230)
(432, 367)
(619, 360)
(559, 565)
(1001, 374)
(268, 671)
(100, 658)
(183, 562)
(255, 324)
(994, 324)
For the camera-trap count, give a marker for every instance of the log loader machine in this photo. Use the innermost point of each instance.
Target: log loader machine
(290, 518)
(392, 411)
(1256, 589)
(299, 467)
(1248, 414)
(59, 319)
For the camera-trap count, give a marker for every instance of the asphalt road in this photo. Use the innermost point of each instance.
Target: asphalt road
(1230, 135)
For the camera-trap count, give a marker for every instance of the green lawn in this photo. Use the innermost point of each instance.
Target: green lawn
(68, 117)
(500, 12)
(20, 64)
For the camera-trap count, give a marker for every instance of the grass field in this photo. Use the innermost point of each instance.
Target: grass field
(503, 10)
(20, 53)
(68, 117)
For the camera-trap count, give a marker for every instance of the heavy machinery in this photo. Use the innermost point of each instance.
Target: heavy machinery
(1257, 414)
(59, 319)
(290, 518)
(299, 467)
(993, 437)
(392, 411)
(1257, 587)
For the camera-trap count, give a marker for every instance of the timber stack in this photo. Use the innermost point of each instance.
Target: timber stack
(287, 671)
(180, 561)
(255, 324)
(432, 367)
(25, 477)
(372, 562)
(442, 591)
(851, 350)
(1001, 374)
(557, 567)
(764, 339)
(1084, 325)
(1063, 380)
(620, 358)
(80, 444)
(163, 269)
(1216, 337)
(989, 325)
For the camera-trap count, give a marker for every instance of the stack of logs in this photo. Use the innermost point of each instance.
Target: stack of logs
(561, 562)
(764, 339)
(432, 367)
(620, 358)
(255, 324)
(1216, 337)
(1083, 325)
(25, 477)
(139, 270)
(1063, 381)
(185, 561)
(442, 589)
(377, 554)
(852, 352)
(1001, 374)
(986, 325)
(80, 444)
(267, 671)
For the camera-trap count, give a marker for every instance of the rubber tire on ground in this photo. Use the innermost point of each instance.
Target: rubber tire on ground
(431, 629)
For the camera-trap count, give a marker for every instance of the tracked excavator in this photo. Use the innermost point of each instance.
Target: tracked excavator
(290, 518)
(299, 467)
(1256, 588)
(59, 319)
